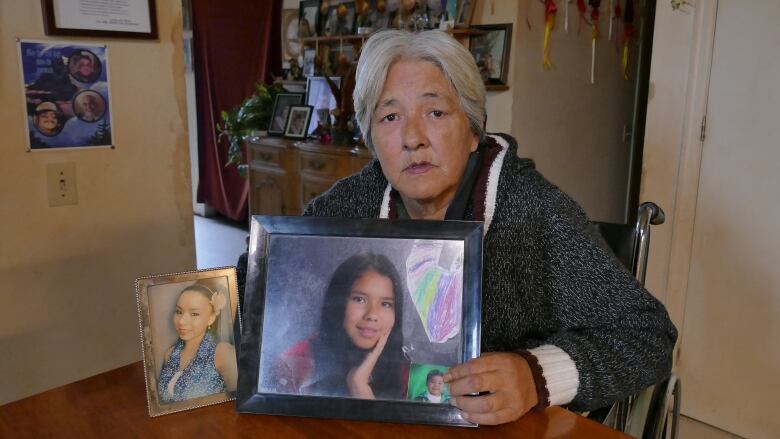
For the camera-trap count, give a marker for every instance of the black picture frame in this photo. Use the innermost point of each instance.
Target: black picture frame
(495, 40)
(277, 245)
(298, 119)
(310, 11)
(282, 103)
(52, 27)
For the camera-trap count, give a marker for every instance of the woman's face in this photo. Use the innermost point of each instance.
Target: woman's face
(85, 67)
(47, 121)
(421, 134)
(370, 311)
(435, 385)
(193, 315)
(88, 105)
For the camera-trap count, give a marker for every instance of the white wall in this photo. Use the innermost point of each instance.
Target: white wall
(723, 288)
(68, 272)
(572, 128)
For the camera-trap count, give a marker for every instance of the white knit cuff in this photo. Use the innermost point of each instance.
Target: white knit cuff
(559, 371)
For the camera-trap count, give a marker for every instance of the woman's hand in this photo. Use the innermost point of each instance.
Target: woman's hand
(357, 378)
(506, 380)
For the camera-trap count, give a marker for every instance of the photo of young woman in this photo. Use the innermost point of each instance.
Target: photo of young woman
(188, 322)
(357, 350)
(197, 364)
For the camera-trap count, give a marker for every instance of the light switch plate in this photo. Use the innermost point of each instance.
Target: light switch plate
(61, 184)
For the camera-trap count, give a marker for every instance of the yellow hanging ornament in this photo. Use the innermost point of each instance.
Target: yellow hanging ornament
(549, 17)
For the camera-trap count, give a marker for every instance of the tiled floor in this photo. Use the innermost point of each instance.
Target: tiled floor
(218, 241)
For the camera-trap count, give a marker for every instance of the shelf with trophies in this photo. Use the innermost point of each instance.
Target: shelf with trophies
(321, 41)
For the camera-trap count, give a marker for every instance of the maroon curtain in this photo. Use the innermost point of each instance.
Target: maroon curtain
(236, 43)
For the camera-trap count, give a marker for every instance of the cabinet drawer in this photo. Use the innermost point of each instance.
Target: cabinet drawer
(266, 157)
(358, 163)
(311, 190)
(318, 164)
(268, 192)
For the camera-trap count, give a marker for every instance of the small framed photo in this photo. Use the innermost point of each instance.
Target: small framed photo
(291, 46)
(491, 51)
(189, 327)
(281, 110)
(136, 19)
(309, 18)
(309, 56)
(359, 318)
(298, 121)
(340, 19)
(320, 96)
(465, 13)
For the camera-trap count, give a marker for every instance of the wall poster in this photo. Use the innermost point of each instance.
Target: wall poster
(66, 94)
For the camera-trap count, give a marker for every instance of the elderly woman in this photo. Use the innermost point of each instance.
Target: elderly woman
(562, 321)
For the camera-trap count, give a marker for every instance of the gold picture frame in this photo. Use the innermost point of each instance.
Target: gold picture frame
(291, 46)
(172, 312)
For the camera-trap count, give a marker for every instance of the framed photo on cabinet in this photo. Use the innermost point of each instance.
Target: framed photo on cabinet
(298, 121)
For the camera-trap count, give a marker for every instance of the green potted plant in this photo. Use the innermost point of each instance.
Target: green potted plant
(250, 118)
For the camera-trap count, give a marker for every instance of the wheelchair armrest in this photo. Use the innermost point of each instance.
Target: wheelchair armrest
(656, 214)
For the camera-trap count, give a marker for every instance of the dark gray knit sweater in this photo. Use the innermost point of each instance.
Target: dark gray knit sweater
(548, 279)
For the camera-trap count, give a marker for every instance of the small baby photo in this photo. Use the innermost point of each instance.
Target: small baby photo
(426, 384)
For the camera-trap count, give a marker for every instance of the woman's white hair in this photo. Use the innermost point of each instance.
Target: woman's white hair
(385, 48)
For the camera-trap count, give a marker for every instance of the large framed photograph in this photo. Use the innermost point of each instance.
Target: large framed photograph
(298, 121)
(358, 318)
(189, 327)
(320, 96)
(491, 51)
(100, 18)
(281, 110)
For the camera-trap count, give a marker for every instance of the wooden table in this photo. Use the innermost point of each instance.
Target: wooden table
(113, 405)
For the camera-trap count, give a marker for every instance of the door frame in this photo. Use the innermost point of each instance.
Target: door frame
(670, 254)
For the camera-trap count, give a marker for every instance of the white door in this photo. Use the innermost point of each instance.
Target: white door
(730, 349)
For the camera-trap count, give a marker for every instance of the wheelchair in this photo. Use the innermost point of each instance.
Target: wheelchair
(646, 414)
(654, 412)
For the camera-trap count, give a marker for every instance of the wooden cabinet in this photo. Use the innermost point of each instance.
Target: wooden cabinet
(270, 178)
(285, 175)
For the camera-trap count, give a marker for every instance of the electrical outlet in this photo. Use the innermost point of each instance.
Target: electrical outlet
(61, 184)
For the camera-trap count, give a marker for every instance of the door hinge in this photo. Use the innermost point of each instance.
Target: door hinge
(703, 134)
